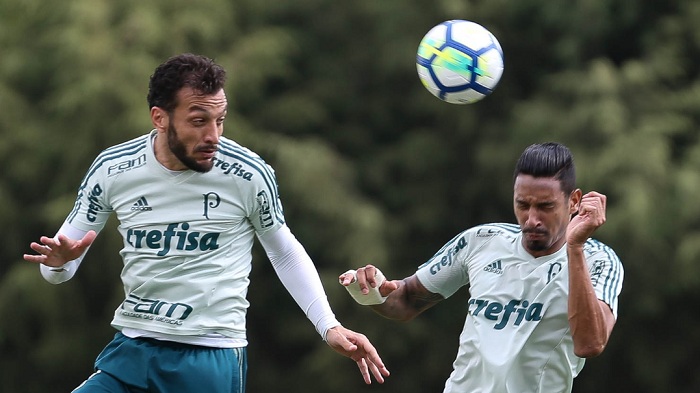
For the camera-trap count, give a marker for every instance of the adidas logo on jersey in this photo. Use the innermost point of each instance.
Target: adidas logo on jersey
(141, 205)
(494, 267)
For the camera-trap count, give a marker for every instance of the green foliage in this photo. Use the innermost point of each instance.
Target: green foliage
(372, 168)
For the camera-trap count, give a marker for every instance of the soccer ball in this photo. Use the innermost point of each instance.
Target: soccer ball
(459, 61)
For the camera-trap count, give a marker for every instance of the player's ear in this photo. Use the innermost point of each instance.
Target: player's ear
(159, 118)
(575, 200)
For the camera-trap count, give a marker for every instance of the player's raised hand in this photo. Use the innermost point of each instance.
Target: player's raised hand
(591, 215)
(367, 279)
(56, 252)
(357, 347)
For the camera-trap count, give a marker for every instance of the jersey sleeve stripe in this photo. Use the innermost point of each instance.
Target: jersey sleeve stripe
(74, 212)
(447, 246)
(512, 228)
(259, 165)
(125, 149)
(132, 147)
(613, 280)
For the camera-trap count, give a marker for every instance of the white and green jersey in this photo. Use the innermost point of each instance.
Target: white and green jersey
(187, 235)
(516, 337)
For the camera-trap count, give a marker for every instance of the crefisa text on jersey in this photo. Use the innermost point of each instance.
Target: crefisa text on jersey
(235, 168)
(184, 240)
(94, 207)
(495, 311)
(447, 255)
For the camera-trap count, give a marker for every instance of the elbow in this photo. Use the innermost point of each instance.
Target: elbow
(407, 318)
(590, 350)
(402, 315)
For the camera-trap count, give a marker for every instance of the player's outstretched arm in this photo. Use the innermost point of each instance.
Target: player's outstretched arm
(401, 300)
(56, 252)
(357, 347)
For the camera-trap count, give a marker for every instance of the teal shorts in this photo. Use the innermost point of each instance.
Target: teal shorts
(140, 365)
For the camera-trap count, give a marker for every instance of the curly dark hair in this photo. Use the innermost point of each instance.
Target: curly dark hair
(186, 70)
(548, 159)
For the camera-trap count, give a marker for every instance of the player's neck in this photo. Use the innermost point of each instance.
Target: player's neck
(164, 156)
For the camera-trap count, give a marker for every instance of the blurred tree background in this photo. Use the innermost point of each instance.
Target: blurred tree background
(371, 167)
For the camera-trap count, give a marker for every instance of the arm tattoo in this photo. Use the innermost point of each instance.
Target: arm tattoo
(418, 297)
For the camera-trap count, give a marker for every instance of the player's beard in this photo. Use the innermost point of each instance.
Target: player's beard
(180, 151)
(541, 244)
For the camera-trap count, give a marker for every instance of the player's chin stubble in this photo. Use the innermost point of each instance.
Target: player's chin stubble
(178, 149)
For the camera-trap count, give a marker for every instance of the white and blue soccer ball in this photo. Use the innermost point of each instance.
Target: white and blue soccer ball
(459, 61)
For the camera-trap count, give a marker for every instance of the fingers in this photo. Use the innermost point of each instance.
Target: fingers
(347, 278)
(376, 365)
(594, 198)
(593, 205)
(379, 373)
(369, 369)
(369, 360)
(370, 364)
(87, 240)
(365, 277)
(367, 285)
(358, 347)
(362, 365)
(42, 252)
(388, 287)
(56, 251)
(46, 245)
(591, 215)
(42, 249)
(49, 241)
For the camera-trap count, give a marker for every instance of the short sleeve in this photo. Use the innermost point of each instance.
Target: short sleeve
(607, 273)
(91, 209)
(266, 213)
(446, 271)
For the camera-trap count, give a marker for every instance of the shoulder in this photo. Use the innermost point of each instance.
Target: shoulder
(239, 161)
(133, 147)
(478, 236)
(596, 249)
(593, 246)
(115, 158)
(230, 148)
(125, 152)
(486, 232)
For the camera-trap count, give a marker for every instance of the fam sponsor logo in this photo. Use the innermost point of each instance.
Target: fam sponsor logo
(155, 310)
(519, 310)
(126, 165)
(171, 237)
(235, 168)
